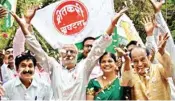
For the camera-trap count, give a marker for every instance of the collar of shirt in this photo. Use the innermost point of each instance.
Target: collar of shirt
(39, 70)
(18, 82)
(69, 70)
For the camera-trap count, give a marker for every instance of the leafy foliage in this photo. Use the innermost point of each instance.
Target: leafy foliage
(138, 9)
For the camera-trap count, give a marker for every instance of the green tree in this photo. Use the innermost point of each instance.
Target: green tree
(139, 8)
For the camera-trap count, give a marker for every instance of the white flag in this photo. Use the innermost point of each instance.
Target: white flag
(70, 21)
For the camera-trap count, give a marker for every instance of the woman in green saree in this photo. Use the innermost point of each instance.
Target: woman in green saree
(107, 86)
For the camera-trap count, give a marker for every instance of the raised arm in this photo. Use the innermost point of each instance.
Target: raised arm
(157, 5)
(31, 41)
(126, 70)
(164, 57)
(149, 26)
(111, 27)
(18, 43)
(101, 44)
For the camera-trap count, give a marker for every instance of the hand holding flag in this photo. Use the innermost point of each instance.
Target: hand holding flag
(3, 12)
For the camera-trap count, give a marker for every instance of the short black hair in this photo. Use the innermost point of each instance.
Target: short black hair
(1, 59)
(113, 56)
(88, 38)
(24, 56)
(132, 42)
(146, 50)
(7, 48)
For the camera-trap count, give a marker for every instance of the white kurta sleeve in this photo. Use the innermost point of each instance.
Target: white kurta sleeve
(150, 43)
(41, 56)
(96, 52)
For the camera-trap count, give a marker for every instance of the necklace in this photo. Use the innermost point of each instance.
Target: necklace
(109, 82)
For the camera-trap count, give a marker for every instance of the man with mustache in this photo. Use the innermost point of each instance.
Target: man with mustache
(26, 86)
(8, 68)
(68, 78)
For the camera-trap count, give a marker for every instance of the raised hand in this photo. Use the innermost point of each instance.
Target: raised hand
(3, 12)
(149, 25)
(118, 15)
(162, 43)
(157, 5)
(110, 29)
(30, 13)
(121, 52)
(21, 21)
(127, 63)
(119, 62)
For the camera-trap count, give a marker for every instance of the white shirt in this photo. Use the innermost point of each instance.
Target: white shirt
(42, 74)
(96, 72)
(69, 84)
(38, 90)
(7, 73)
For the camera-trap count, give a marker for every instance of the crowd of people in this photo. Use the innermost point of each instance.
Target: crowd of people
(133, 73)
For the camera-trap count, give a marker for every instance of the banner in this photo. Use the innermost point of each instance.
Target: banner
(124, 33)
(70, 21)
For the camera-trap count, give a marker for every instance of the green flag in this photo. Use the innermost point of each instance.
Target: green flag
(8, 20)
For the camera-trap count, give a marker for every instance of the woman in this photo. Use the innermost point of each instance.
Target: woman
(107, 86)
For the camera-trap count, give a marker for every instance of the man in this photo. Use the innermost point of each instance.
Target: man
(87, 46)
(68, 78)
(154, 34)
(26, 87)
(8, 68)
(8, 52)
(149, 81)
(131, 45)
(1, 63)
(163, 28)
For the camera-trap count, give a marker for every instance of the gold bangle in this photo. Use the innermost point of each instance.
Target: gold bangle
(90, 91)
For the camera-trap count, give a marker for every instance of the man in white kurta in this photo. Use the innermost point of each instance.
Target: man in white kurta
(69, 84)
(68, 79)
